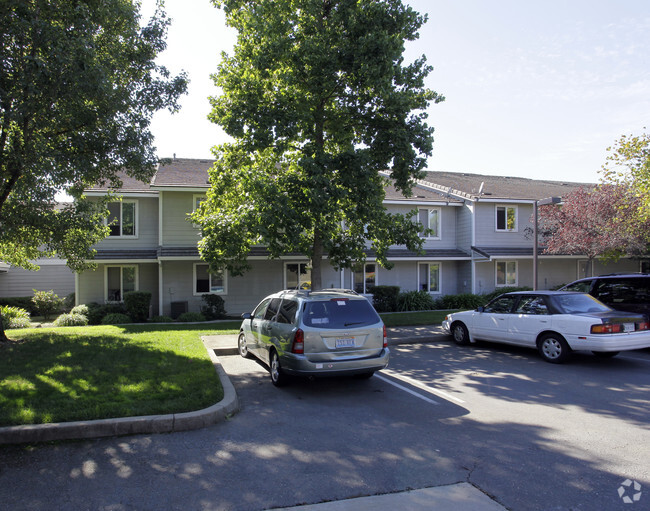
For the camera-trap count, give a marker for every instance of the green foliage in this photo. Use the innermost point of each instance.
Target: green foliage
(14, 317)
(137, 305)
(315, 116)
(214, 307)
(415, 301)
(80, 85)
(462, 301)
(68, 301)
(162, 319)
(71, 319)
(81, 309)
(385, 298)
(96, 311)
(116, 318)
(22, 302)
(46, 302)
(190, 317)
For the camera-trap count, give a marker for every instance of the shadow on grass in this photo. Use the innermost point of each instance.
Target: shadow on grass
(66, 376)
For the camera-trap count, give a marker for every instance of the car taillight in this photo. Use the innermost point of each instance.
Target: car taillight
(643, 326)
(607, 328)
(385, 338)
(298, 346)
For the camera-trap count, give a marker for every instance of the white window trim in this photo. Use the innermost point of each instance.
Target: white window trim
(286, 273)
(496, 273)
(365, 291)
(428, 263)
(135, 219)
(194, 197)
(496, 217)
(439, 222)
(197, 293)
(121, 266)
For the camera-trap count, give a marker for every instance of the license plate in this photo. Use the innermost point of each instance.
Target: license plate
(345, 342)
(628, 327)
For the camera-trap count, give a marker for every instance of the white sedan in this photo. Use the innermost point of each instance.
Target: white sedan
(554, 322)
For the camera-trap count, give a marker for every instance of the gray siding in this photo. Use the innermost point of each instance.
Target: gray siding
(52, 276)
(487, 234)
(147, 228)
(178, 231)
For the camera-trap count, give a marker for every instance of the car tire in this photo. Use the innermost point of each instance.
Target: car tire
(278, 376)
(459, 333)
(553, 348)
(606, 354)
(242, 347)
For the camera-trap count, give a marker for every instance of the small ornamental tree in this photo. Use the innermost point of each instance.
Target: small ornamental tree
(318, 100)
(590, 222)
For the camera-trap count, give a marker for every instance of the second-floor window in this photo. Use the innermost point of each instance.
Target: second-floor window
(122, 218)
(430, 219)
(506, 218)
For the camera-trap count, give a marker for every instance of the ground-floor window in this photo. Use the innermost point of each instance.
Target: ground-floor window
(206, 282)
(364, 278)
(506, 273)
(120, 280)
(297, 276)
(429, 277)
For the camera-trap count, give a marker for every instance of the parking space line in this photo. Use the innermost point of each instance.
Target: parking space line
(401, 387)
(422, 386)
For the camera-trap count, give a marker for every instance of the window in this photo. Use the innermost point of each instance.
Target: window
(501, 305)
(506, 273)
(297, 276)
(430, 219)
(506, 218)
(532, 305)
(206, 282)
(429, 277)
(122, 218)
(196, 202)
(119, 280)
(364, 278)
(287, 313)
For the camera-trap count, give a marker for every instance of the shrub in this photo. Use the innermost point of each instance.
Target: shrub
(46, 302)
(191, 317)
(415, 301)
(161, 319)
(96, 311)
(71, 319)
(81, 309)
(14, 317)
(214, 307)
(462, 301)
(137, 305)
(22, 302)
(385, 298)
(116, 318)
(68, 301)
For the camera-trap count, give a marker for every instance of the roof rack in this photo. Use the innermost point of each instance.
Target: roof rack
(337, 290)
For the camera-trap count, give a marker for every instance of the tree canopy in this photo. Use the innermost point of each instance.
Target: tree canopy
(318, 100)
(78, 87)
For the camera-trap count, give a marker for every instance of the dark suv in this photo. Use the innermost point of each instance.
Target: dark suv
(625, 292)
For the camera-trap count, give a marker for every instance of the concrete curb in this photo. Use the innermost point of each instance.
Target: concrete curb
(169, 423)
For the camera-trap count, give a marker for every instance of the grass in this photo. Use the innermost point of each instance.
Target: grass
(84, 373)
(414, 318)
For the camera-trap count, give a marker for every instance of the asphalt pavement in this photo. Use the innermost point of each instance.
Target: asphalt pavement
(460, 497)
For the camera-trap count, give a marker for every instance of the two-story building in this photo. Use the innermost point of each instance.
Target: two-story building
(481, 240)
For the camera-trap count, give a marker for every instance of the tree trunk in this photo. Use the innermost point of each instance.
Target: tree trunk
(317, 262)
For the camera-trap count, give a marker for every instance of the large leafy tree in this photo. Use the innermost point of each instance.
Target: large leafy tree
(78, 87)
(318, 100)
(590, 222)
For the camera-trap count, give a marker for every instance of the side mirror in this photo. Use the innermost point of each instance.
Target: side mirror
(480, 309)
(246, 315)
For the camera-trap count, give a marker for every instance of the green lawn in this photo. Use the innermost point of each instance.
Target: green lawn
(97, 372)
(67, 374)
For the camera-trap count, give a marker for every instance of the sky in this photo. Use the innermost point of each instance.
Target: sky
(535, 89)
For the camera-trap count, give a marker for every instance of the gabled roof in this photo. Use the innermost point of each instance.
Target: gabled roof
(482, 187)
(182, 173)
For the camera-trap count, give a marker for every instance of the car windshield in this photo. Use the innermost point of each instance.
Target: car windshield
(579, 303)
(339, 313)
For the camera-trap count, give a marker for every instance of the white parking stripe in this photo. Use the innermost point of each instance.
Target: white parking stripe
(401, 387)
(420, 385)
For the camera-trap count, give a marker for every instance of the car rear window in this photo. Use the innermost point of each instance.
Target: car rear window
(339, 313)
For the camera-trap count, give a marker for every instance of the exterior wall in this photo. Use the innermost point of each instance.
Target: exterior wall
(53, 275)
(448, 220)
(178, 231)
(464, 227)
(487, 234)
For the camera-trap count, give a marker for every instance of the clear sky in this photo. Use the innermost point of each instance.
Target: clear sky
(533, 88)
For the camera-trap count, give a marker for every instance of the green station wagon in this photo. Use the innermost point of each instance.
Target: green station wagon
(322, 333)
